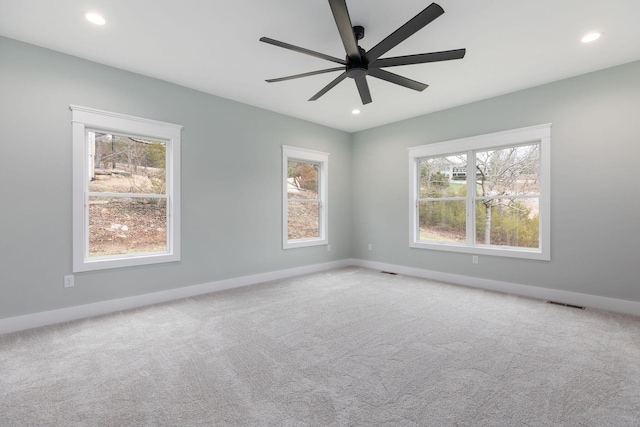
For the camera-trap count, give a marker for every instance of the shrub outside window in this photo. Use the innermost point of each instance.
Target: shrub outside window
(304, 181)
(126, 204)
(485, 195)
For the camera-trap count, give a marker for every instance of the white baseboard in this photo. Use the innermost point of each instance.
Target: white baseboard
(574, 298)
(19, 323)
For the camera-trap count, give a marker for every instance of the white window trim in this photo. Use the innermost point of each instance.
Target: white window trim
(84, 119)
(305, 155)
(540, 134)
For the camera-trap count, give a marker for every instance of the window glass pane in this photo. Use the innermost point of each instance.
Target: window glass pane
(443, 221)
(508, 222)
(508, 171)
(303, 220)
(443, 176)
(127, 225)
(302, 180)
(122, 164)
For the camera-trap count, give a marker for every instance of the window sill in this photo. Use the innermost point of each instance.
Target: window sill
(103, 263)
(302, 243)
(505, 251)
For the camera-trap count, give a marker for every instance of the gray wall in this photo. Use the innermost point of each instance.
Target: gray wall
(231, 203)
(595, 220)
(231, 181)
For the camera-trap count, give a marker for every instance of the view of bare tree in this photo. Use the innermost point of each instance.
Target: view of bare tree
(510, 171)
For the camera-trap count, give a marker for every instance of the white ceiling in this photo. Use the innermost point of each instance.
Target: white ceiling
(212, 46)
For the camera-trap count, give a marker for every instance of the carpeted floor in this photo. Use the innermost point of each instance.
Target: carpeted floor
(347, 347)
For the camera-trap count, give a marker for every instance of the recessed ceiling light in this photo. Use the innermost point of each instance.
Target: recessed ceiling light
(94, 18)
(355, 112)
(591, 37)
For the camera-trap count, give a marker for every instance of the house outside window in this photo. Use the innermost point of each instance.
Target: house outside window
(304, 186)
(126, 198)
(501, 209)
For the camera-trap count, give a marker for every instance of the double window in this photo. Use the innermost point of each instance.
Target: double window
(304, 187)
(126, 200)
(486, 195)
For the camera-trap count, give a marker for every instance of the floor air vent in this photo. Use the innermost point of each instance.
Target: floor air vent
(565, 305)
(389, 272)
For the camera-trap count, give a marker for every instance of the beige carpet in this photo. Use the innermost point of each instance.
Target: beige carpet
(348, 347)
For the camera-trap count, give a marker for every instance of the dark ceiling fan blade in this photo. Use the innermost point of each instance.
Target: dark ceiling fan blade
(328, 87)
(311, 73)
(302, 50)
(422, 58)
(407, 30)
(399, 80)
(343, 21)
(363, 89)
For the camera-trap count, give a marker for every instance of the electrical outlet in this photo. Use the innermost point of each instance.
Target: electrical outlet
(328, 248)
(474, 259)
(68, 281)
(370, 247)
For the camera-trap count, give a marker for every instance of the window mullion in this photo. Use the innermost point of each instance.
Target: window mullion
(306, 200)
(471, 197)
(131, 195)
(438, 199)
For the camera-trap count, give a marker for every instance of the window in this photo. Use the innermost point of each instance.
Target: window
(304, 187)
(486, 195)
(126, 198)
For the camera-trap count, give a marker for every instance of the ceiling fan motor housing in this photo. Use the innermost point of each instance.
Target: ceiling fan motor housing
(357, 69)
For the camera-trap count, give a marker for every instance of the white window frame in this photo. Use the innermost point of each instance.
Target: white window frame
(311, 156)
(535, 134)
(89, 119)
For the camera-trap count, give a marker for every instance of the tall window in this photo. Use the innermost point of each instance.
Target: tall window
(126, 204)
(487, 194)
(304, 186)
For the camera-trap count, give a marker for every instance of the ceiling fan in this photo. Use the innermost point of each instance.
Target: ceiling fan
(359, 63)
